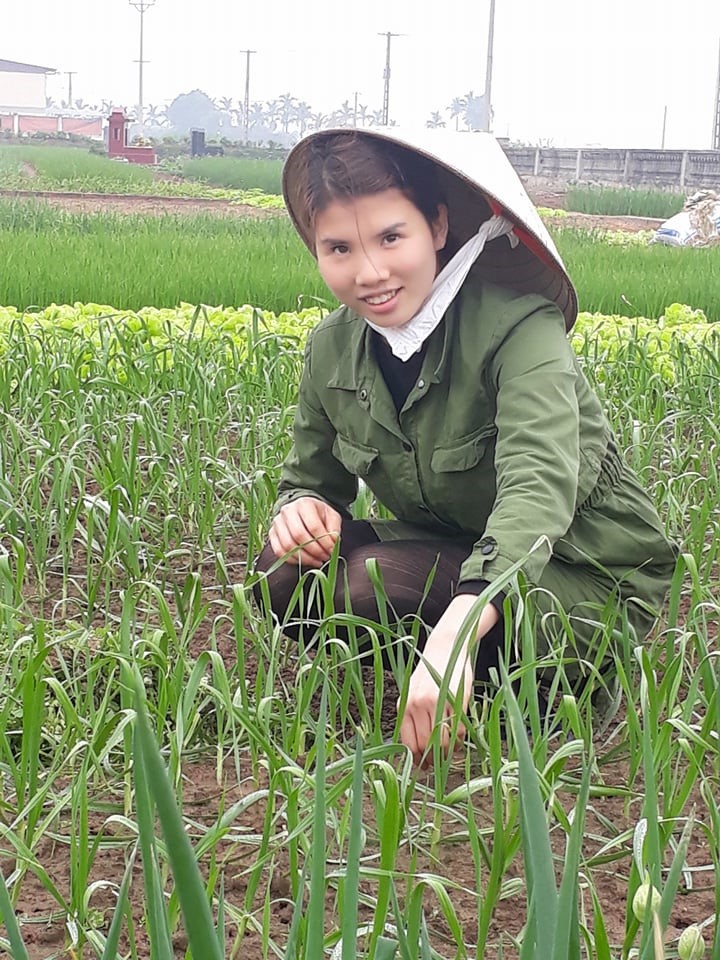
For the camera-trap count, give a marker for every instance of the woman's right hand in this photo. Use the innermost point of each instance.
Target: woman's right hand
(305, 531)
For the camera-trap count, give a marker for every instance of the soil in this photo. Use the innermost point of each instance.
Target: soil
(140, 204)
(542, 196)
(204, 789)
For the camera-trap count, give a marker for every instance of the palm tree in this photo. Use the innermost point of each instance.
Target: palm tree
(344, 116)
(287, 110)
(362, 116)
(456, 108)
(155, 116)
(258, 116)
(303, 113)
(476, 112)
(376, 118)
(316, 121)
(272, 113)
(435, 121)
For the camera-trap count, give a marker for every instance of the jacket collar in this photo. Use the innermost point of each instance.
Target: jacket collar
(356, 366)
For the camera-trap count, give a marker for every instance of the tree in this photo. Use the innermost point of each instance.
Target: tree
(457, 108)
(317, 120)
(475, 112)
(194, 109)
(303, 115)
(287, 110)
(435, 121)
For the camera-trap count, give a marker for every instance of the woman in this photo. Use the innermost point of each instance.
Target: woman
(446, 383)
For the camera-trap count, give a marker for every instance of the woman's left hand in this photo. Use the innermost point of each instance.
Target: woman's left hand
(419, 719)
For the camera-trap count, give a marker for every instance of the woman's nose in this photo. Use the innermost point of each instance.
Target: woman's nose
(370, 270)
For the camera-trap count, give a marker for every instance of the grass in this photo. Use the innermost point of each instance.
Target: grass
(55, 257)
(72, 170)
(131, 262)
(131, 492)
(237, 172)
(624, 202)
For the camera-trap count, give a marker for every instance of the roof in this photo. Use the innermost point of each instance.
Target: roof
(12, 66)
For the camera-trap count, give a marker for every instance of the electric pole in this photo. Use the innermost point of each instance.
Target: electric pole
(386, 77)
(488, 69)
(247, 92)
(141, 6)
(716, 125)
(355, 108)
(70, 74)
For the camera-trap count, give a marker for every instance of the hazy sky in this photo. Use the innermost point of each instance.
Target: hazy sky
(567, 72)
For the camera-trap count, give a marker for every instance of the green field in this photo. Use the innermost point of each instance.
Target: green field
(71, 170)
(236, 172)
(131, 262)
(625, 201)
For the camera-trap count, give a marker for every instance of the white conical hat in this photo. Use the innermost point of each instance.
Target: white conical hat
(478, 180)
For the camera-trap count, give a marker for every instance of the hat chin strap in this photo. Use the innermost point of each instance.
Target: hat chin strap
(407, 339)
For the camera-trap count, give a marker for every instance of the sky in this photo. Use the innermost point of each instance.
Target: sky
(565, 72)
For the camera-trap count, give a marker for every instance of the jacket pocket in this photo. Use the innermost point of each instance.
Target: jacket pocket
(464, 453)
(355, 457)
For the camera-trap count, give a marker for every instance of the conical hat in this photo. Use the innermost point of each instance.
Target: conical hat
(478, 180)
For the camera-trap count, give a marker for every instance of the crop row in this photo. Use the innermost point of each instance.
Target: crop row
(50, 257)
(140, 460)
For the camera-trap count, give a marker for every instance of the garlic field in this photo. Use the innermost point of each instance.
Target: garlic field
(177, 778)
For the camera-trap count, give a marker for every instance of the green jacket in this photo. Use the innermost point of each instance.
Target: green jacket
(501, 440)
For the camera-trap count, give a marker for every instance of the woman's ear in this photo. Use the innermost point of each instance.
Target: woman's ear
(440, 227)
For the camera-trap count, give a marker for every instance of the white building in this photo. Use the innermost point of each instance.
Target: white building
(23, 87)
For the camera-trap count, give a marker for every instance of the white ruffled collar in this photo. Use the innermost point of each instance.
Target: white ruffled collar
(406, 340)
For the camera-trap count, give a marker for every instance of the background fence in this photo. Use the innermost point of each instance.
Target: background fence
(666, 168)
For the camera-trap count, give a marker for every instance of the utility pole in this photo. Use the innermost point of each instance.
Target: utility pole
(70, 74)
(247, 92)
(488, 69)
(355, 108)
(716, 130)
(662, 142)
(141, 6)
(386, 76)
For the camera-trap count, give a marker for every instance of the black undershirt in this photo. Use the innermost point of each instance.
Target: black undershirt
(400, 377)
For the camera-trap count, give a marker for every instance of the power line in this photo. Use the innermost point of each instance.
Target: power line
(141, 6)
(386, 76)
(247, 92)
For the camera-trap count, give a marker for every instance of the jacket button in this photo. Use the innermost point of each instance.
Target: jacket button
(421, 384)
(363, 394)
(487, 546)
(407, 447)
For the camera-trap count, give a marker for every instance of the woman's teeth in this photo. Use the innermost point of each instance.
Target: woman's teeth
(383, 298)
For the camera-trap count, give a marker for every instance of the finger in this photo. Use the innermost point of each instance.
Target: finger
(309, 527)
(408, 734)
(292, 533)
(278, 538)
(423, 721)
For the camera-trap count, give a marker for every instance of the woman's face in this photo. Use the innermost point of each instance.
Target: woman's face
(378, 255)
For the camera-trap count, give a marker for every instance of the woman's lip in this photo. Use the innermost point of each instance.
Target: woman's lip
(386, 306)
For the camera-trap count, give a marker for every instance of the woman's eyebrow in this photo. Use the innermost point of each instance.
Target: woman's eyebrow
(332, 241)
(392, 228)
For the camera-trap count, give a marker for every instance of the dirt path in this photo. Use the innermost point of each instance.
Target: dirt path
(140, 204)
(158, 206)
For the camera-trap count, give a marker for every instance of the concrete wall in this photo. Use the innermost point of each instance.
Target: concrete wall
(18, 123)
(661, 168)
(22, 91)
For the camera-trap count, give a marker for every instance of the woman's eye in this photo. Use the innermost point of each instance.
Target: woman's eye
(340, 248)
(391, 237)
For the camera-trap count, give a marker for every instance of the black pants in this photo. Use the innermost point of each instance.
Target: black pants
(419, 579)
